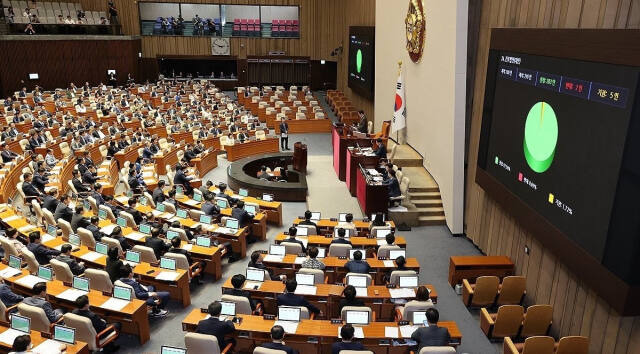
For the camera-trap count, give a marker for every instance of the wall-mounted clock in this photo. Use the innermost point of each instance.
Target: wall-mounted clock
(415, 28)
(220, 46)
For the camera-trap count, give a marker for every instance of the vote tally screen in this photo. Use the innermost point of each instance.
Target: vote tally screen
(556, 137)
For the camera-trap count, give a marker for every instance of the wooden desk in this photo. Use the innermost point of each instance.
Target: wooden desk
(54, 146)
(166, 158)
(328, 225)
(11, 178)
(373, 197)
(354, 159)
(312, 336)
(206, 162)
(37, 339)
(256, 147)
(131, 154)
(471, 267)
(340, 144)
(357, 242)
(297, 126)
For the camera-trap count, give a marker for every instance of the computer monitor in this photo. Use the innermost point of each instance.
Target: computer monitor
(145, 229)
(21, 323)
(394, 254)
(255, 274)
(251, 209)
(352, 251)
(102, 248)
(132, 256)
(419, 317)
(289, 313)
(321, 252)
(86, 205)
(15, 262)
(315, 215)
(74, 239)
(228, 308)
(305, 279)
(203, 241)
(267, 197)
(130, 194)
(172, 350)
(197, 197)
(51, 229)
(122, 292)
(142, 200)
(80, 283)
(171, 234)
(34, 76)
(205, 219)
(64, 334)
(342, 217)
(359, 281)
(357, 317)
(179, 190)
(243, 192)
(181, 213)
(45, 273)
(167, 263)
(382, 233)
(232, 223)
(277, 250)
(160, 207)
(222, 203)
(122, 222)
(111, 71)
(302, 231)
(102, 214)
(408, 281)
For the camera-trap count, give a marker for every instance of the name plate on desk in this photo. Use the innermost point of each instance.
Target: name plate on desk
(336, 321)
(269, 317)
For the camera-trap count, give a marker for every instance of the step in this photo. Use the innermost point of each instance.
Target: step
(431, 220)
(407, 162)
(413, 190)
(429, 203)
(432, 211)
(424, 195)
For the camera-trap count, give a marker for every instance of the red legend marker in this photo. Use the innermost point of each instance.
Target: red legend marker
(520, 176)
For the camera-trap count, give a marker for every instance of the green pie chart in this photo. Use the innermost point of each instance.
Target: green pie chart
(540, 137)
(359, 61)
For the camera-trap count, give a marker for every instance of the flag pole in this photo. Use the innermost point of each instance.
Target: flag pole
(399, 73)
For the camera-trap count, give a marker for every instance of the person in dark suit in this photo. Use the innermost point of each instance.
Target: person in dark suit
(43, 254)
(292, 238)
(393, 184)
(97, 194)
(284, 134)
(307, 220)
(289, 298)
(381, 150)
(350, 299)
(115, 266)
(62, 210)
(263, 174)
(94, 228)
(208, 207)
(221, 194)
(7, 296)
(357, 265)
(77, 183)
(213, 326)
(117, 234)
(431, 335)
(99, 324)
(65, 257)
(255, 262)
(147, 154)
(131, 209)
(156, 299)
(237, 281)
(7, 155)
(277, 336)
(238, 212)
(39, 180)
(154, 242)
(158, 193)
(28, 188)
(39, 299)
(181, 178)
(90, 177)
(134, 182)
(362, 124)
(340, 239)
(78, 220)
(346, 332)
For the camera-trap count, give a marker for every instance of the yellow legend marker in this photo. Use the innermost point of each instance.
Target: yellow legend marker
(550, 198)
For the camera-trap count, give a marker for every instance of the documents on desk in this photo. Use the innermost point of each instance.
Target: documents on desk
(361, 292)
(10, 335)
(224, 230)
(26, 229)
(288, 326)
(407, 331)
(252, 284)
(372, 171)
(108, 229)
(71, 294)
(167, 276)
(187, 247)
(391, 332)
(47, 347)
(91, 256)
(358, 333)
(11, 218)
(389, 263)
(272, 258)
(9, 272)
(191, 202)
(28, 281)
(306, 290)
(402, 293)
(135, 235)
(299, 260)
(114, 304)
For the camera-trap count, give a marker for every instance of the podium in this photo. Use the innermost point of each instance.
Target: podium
(300, 157)
(373, 196)
(341, 139)
(355, 159)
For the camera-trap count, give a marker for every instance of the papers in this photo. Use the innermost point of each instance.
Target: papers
(25, 229)
(389, 263)
(167, 276)
(135, 235)
(49, 346)
(226, 230)
(11, 218)
(272, 258)
(391, 332)
(381, 242)
(372, 171)
(402, 293)
(108, 229)
(122, 199)
(9, 336)
(306, 290)
(147, 174)
(407, 331)
(156, 213)
(9, 272)
(103, 170)
(299, 260)
(114, 304)
(358, 333)
(252, 284)
(28, 281)
(288, 326)
(131, 264)
(187, 246)
(45, 238)
(91, 256)
(191, 202)
(71, 294)
(361, 292)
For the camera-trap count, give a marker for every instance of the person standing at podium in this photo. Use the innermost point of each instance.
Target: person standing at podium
(284, 134)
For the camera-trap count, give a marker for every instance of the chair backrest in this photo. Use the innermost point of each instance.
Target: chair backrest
(415, 306)
(3, 313)
(65, 226)
(150, 201)
(343, 312)
(30, 259)
(181, 260)
(263, 350)
(61, 271)
(169, 208)
(292, 248)
(383, 251)
(146, 253)
(112, 242)
(108, 211)
(538, 345)
(39, 320)
(318, 274)
(72, 187)
(508, 320)
(512, 290)
(131, 222)
(394, 278)
(84, 329)
(369, 278)
(86, 238)
(181, 233)
(99, 280)
(392, 152)
(573, 345)
(437, 350)
(201, 343)
(48, 217)
(485, 291)
(339, 250)
(537, 321)
(242, 303)
(93, 203)
(9, 249)
(38, 210)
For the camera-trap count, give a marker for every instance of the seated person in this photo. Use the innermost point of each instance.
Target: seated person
(214, 327)
(131, 209)
(94, 228)
(222, 187)
(277, 342)
(157, 244)
(350, 299)
(62, 209)
(256, 262)
(65, 256)
(348, 223)
(357, 265)
(50, 201)
(78, 219)
(158, 193)
(292, 238)
(346, 332)
(378, 220)
(28, 188)
(422, 298)
(208, 207)
(80, 187)
(99, 324)
(432, 335)
(237, 281)
(340, 239)
(39, 299)
(115, 266)
(97, 194)
(175, 243)
(156, 299)
(12, 235)
(7, 296)
(393, 185)
(312, 262)
(307, 220)
(289, 298)
(118, 236)
(400, 265)
(238, 212)
(43, 254)
(381, 150)
(263, 174)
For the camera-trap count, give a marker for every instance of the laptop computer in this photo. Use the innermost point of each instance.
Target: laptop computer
(122, 293)
(382, 233)
(197, 197)
(342, 217)
(171, 234)
(347, 232)
(80, 283)
(267, 197)
(255, 274)
(394, 254)
(359, 281)
(64, 334)
(277, 250)
(322, 252)
(122, 222)
(205, 219)
(15, 262)
(243, 192)
(289, 313)
(160, 207)
(408, 281)
(222, 203)
(352, 251)
(132, 256)
(373, 216)
(357, 317)
(228, 308)
(419, 317)
(45, 273)
(315, 215)
(51, 229)
(165, 349)
(142, 200)
(102, 248)
(102, 214)
(145, 229)
(302, 231)
(181, 213)
(74, 239)
(232, 223)
(203, 241)
(251, 209)
(21, 323)
(167, 263)
(305, 279)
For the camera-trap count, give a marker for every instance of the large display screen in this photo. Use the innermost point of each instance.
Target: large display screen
(361, 60)
(555, 138)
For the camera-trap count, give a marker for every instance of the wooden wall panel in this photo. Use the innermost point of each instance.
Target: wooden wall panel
(577, 309)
